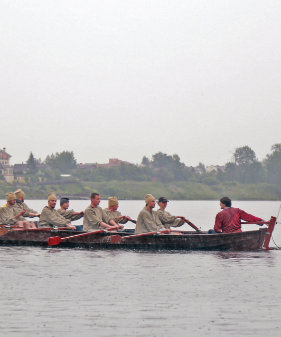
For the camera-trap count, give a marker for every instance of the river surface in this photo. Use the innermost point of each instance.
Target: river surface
(76, 292)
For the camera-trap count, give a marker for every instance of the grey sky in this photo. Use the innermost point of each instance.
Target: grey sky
(130, 78)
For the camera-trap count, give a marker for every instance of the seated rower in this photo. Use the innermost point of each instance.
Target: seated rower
(165, 217)
(229, 219)
(51, 218)
(95, 217)
(112, 212)
(68, 214)
(148, 220)
(11, 215)
(20, 204)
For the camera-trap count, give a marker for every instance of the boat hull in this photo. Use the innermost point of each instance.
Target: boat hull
(243, 241)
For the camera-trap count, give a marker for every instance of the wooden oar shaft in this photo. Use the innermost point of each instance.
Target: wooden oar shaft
(255, 222)
(192, 225)
(55, 240)
(146, 234)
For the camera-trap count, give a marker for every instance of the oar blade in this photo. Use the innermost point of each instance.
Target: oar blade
(55, 240)
(115, 239)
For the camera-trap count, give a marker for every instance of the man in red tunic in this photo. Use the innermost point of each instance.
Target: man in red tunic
(229, 219)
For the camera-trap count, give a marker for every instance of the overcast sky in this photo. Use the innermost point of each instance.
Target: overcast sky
(128, 78)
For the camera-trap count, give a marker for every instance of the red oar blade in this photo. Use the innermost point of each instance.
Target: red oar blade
(3, 231)
(115, 239)
(55, 240)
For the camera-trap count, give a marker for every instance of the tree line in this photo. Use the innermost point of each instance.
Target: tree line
(245, 168)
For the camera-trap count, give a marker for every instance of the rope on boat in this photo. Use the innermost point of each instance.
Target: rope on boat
(279, 223)
(277, 247)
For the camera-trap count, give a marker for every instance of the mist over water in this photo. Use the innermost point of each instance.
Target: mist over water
(76, 292)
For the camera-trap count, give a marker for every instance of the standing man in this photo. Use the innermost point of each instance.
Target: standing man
(148, 220)
(165, 217)
(229, 219)
(50, 217)
(112, 212)
(95, 218)
(20, 204)
(11, 215)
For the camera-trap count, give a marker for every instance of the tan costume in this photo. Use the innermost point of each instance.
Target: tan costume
(19, 206)
(51, 218)
(7, 216)
(148, 222)
(93, 216)
(169, 220)
(114, 215)
(68, 214)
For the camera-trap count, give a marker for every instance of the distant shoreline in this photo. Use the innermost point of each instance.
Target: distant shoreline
(131, 190)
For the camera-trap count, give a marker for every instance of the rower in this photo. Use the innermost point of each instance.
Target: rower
(70, 214)
(229, 219)
(20, 205)
(50, 217)
(96, 218)
(148, 220)
(166, 218)
(11, 215)
(112, 212)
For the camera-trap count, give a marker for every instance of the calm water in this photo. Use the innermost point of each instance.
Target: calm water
(72, 292)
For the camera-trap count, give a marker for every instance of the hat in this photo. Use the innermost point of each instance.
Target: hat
(112, 201)
(10, 196)
(148, 198)
(163, 199)
(63, 200)
(52, 196)
(19, 193)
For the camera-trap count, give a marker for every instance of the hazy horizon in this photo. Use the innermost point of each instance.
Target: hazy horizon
(124, 79)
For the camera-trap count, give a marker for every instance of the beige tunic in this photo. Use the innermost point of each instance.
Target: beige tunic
(169, 220)
(68, 214)
(114, 215)
(7, 216)
(93, 216)
(51, 218)
(148, 222)
(22, 205)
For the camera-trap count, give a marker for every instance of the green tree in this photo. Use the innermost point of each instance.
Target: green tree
(273, 165)
(31, 163)
(63, 161)
(145, 161)
(247, 169)
(244, 156)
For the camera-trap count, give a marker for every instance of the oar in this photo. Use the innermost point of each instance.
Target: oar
(260, 223)
(163, 231)
(192, 225)
(55, 240)
(3, 231)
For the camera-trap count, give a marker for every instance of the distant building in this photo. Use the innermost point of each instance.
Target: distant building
(5, 168)
(20, 170)
(86, 166)
(214, 168)
(114, 162)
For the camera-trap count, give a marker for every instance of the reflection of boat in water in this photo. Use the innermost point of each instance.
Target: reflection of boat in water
(186, 240)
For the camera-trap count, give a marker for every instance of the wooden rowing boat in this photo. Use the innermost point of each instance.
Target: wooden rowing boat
(186, 240)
